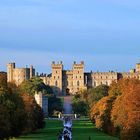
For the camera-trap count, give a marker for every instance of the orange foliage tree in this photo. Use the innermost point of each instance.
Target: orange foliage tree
(126, 109)
(100, 114)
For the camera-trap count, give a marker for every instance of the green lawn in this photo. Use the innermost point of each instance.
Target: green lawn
(81, 131)
(49, 133)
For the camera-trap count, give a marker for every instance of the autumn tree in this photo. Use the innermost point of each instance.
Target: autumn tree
(3, 82)
(100, 114)
(126, 109)
(34, 114)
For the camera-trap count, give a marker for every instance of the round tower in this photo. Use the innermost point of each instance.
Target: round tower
(10, 68)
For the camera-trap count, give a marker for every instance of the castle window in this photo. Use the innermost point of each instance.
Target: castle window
(76, 76)
(56, 71)
(56, 83)
(106, 77)
(107, 83)
(54, 77)
(78, 71)
(101, 77)
(101, 83)
(78, 83)
(58, 77)
(80, 76)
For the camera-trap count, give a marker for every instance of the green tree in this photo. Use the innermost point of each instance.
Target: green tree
(54, 104)
(35, 85)
(12, 112)
(80, 107)
(95, 94)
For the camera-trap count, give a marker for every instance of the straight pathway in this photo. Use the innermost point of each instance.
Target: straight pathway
(82, 130)
(67, 105)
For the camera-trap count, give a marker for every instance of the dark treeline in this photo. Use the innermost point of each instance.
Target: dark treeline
(114, 110)
(19, 112)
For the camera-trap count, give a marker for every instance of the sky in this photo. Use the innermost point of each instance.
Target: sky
(105, 34)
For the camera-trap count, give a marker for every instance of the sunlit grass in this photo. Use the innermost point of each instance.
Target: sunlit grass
(81, 131)
(48, 133)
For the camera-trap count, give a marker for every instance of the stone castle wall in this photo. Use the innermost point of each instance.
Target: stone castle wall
(70, 81)
(18, 75)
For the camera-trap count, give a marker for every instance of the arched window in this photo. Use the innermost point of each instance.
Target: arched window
(78, 83)
(56, 83)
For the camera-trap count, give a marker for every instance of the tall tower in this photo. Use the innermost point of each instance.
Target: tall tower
(78, 76)
(10, 68)
(32, 71)
(57, 77)
(138, 67)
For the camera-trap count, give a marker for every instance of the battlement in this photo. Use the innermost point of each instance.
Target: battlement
(18, 75)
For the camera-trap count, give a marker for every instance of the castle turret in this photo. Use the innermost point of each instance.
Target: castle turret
(10, 68)
(32, 71)
(78, 76)
(57, 69)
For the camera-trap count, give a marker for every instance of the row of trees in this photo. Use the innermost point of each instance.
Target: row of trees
(115, 109)
(85, 99)
(19, 112)
(35, 85)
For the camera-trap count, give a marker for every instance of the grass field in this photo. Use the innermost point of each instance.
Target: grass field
(81, 131)
(48, 133)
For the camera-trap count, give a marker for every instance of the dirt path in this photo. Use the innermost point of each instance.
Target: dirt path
(67, 105)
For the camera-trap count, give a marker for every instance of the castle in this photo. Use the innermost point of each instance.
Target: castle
(70, 81)
(18, 75)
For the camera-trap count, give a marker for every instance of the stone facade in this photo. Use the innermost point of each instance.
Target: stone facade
(18, 75)
(62, 81)
(71, 81)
